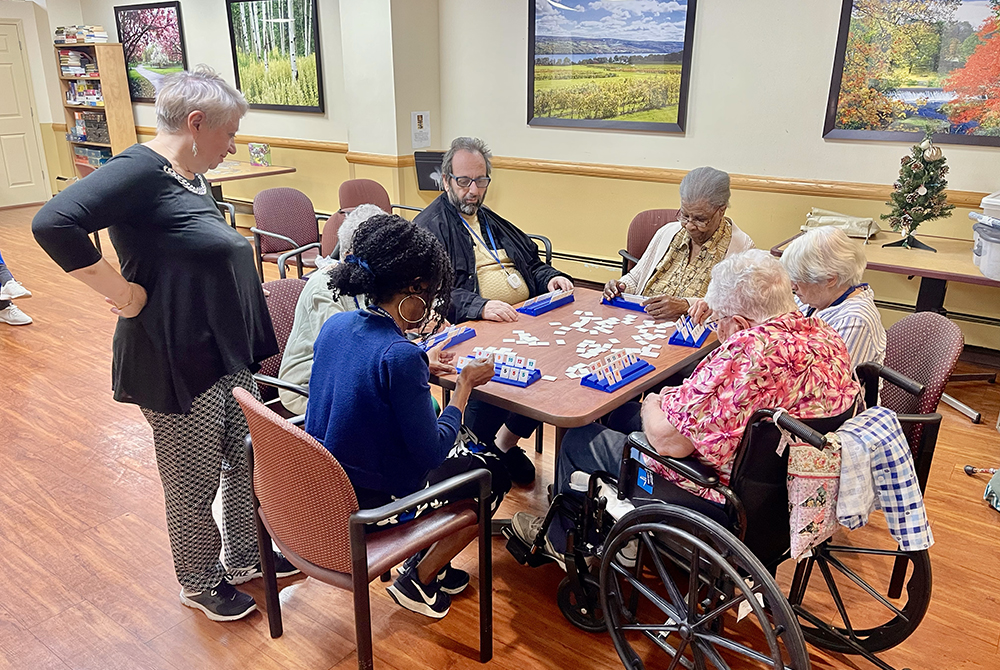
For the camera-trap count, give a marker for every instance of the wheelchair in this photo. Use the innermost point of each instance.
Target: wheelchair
(697, 583)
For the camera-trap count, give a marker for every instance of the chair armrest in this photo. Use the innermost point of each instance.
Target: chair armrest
(229, 208)
(281, 384)
(321, 217)
(283, 258)
(412, 209)
(870, 374)
(367, 516)
(690, 468)
(547, 243)
(258, 231)
(627, 256)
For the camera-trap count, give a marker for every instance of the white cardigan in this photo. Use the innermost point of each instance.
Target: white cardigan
(643, 271)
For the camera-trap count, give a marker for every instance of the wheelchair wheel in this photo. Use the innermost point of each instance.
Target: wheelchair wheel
(684, 597)
(852, 589)
(583, 612)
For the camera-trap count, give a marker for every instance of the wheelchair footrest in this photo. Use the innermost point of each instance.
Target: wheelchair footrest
(522, 552)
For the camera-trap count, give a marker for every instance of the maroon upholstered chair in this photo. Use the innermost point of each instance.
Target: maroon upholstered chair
(641, 231)
(285, 226)
(284, 295)
(304, 501)
(356, 192)
(331, 232)
(924, 347)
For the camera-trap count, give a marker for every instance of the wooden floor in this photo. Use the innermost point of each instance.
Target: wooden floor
(86, 579)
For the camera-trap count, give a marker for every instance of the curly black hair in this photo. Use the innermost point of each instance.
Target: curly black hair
(390, 255)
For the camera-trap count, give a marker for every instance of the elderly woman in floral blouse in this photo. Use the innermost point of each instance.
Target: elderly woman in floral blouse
(771, 355)
(677, 265)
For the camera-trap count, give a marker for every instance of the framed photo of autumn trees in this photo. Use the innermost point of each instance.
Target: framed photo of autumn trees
(153, 42)
(615, 64)
(276, 53)
(907, 67)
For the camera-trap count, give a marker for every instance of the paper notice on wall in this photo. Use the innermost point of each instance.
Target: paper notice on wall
(420, 129)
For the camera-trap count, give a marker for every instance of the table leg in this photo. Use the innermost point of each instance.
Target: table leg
(560, 433)
(930, 298)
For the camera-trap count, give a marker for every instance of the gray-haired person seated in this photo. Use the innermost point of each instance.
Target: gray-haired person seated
(677, 265)
(772, 355)
(826, 268)
(316, 304)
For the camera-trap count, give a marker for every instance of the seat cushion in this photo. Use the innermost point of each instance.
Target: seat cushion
(388, 547)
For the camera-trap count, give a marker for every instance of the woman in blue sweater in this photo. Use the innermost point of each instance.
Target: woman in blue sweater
(369, 395)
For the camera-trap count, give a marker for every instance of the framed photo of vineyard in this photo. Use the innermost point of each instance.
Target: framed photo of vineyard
(907, 67)
(276, 53)
(153, 42)
(615, 64)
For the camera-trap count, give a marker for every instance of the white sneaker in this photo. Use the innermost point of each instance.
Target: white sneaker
(13, 316)
(13, 290)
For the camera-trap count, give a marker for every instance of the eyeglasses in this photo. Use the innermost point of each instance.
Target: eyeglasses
(697, 221)
(466, 182)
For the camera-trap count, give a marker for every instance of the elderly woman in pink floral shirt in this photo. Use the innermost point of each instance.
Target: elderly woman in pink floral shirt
(771, 356)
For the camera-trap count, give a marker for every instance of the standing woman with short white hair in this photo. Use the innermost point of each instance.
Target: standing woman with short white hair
(192, 323)
(826, 268)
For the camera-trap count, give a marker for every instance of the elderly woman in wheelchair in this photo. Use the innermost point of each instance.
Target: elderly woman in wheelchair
(662, 534)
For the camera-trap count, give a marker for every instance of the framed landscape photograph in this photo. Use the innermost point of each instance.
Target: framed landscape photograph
(907, 67)
(617, 64)
(153, 42)
(276, 53)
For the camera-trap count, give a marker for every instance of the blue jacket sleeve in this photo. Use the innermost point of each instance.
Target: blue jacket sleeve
(428, 437)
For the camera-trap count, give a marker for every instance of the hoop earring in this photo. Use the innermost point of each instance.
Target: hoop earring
(403, 316)
(194, 148)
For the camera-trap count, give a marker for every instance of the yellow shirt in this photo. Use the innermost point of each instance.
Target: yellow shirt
(492, 276)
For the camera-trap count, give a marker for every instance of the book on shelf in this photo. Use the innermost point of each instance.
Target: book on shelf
(73, 63)
(80, 35)
(84, 94)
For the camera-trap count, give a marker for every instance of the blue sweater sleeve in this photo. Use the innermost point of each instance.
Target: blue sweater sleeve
(428, 438)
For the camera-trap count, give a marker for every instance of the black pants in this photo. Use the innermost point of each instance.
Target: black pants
(452, 466)
(485, 420)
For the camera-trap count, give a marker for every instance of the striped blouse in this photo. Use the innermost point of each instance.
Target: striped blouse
(859, 324)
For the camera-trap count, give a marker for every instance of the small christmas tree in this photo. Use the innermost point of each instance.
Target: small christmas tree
(919, 193)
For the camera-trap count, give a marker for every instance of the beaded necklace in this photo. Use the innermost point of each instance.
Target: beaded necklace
(201, 189)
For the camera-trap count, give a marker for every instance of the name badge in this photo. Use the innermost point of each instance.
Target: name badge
(514, 281)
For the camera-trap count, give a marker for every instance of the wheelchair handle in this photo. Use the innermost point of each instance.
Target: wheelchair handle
(797, 428)
(902, 381)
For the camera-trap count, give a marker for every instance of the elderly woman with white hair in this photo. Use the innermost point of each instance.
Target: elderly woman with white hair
(771, 355)
(677, 265)
(316, 304)
(192, 323)
(826, 267)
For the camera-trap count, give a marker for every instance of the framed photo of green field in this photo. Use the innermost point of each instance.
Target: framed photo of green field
(615, 64)
(276, 53)
(153, 42)
(904, 68)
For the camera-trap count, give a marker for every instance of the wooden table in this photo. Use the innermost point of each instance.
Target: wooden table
(564, 403)
(236, 170)
(951, 262)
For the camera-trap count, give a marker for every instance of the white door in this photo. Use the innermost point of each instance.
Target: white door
(21, 179)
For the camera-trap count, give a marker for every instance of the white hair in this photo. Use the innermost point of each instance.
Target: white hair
(198, 89)
(354, 218)
(822, 254)
(752, 284)
(705, 184)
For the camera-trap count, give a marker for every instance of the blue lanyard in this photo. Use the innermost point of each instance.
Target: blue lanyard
(493, 251)
(841, 299)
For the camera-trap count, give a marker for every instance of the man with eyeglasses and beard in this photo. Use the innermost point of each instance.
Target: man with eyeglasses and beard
(496, 266)
(676, 267)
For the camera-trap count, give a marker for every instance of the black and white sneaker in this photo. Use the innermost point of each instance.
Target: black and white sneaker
(222, 602)
(451, 580)
(426, 599)
(282, 567)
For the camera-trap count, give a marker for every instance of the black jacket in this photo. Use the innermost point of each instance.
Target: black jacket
(443, 220)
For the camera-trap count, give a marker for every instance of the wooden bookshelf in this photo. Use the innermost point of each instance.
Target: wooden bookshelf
(117, 108)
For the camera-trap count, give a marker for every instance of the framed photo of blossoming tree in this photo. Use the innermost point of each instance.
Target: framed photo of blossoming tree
(616, 64)
(905, 68)
(153, 43)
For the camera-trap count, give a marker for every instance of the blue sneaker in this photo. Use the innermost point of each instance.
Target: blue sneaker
(426, 599)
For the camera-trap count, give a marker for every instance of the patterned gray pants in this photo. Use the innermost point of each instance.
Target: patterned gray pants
(191, 451)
